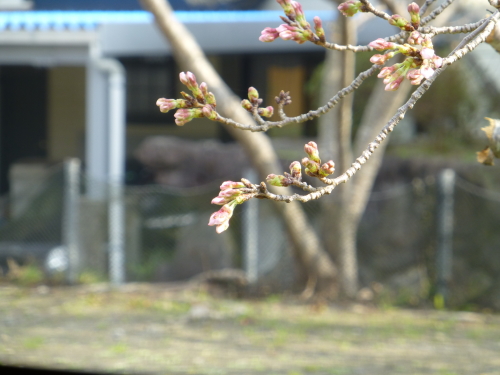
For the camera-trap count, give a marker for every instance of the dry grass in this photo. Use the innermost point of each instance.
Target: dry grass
(160, 329)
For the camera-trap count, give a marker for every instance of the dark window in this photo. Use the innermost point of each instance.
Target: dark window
(147, 80)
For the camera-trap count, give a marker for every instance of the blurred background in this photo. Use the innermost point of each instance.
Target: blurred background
(97, 188)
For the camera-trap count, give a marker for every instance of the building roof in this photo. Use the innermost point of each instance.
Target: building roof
(89, 20)
(134, 33)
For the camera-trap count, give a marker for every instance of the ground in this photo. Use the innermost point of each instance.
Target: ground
(174, 329)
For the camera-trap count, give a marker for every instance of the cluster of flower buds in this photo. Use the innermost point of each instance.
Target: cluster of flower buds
(351, 7)
(201, 103)
(254, 101)
(231, 194)
(421, 60)
(296, 27)
(312, 164)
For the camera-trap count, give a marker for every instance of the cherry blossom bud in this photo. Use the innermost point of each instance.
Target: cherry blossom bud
(415, 76)
(387, 71)
(350, 7)
(266, 112)
(247, 105)
(311, 149)
(427, 71)
(427, 53)
(253, 94)
(437, 61)
(183, 78)
(311, 167)
(210, 99)
(296, 170)
(184, 115)
(208, 112)
(327, 168)
(380, 59)
(232, 185)
(318, 28)
(414, 11)
(204, 89)
(268, 35)
(287, 8)
(401, 22)
(166, 104)
(191, 80)
(394, 85)
(220, 200)
(278, 180)
(381, 45)
(221, 218)
(415, 38)
(299, 14)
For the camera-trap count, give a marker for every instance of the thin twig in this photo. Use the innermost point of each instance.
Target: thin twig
(436, 12)
(340, 47)
(370, 8)
(432, 31)
(266, 125)
(424, 7)
(468, 44)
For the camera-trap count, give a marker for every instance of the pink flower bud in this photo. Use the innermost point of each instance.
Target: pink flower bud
(204, 88)
(415, 76)
(220, 200)
(350, 7)
(209, 112)
(232, 185)
(437, 61)
(327, 168)
(166, 104)
(427, 53)
(299, 14)
(311, 149)
(268, 35)
(311, 167)
(387, 71)
(414, 11)
(427, 71)
(401, 22)
(191, 80)
(247, 105)
(266, 112)
(253, 94)
(415, 38)
(318, 28)
(413, 8)
(296, 170)
(183, 78)
(381, 45)
(184, 115)
(378, 59)
(221, 218)
(210, 99)
(287, 7)
(278, 180)
(394, 85)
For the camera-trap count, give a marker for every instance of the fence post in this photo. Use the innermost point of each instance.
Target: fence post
(71, 215)
(251, 234)
(444, 255)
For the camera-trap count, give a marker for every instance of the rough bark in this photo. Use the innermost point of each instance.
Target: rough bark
(352, 199)
(307, 247)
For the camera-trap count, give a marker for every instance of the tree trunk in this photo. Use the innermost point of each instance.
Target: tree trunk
(258, 147)
(351, 200)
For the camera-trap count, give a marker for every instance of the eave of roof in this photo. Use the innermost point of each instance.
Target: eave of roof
(89, 20)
